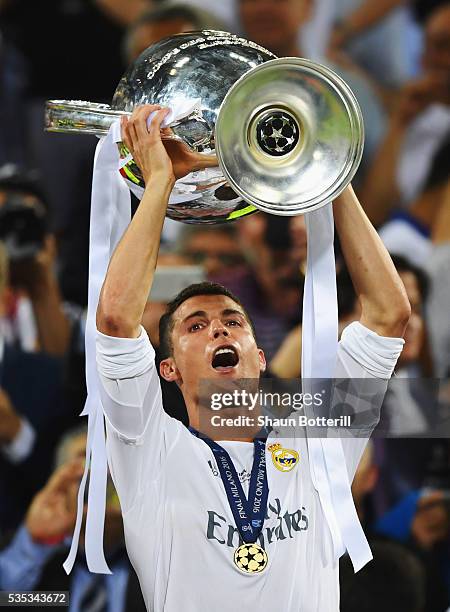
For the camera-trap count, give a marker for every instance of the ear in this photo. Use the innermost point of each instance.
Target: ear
(262, 361)
(169, 370)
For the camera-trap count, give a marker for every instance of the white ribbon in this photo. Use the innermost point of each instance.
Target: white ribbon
(319, 351)
(110, 216)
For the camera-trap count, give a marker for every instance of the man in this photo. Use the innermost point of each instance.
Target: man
(49, 519)
(183, 531)
(31, 252)
(32, 416)
(32, 560)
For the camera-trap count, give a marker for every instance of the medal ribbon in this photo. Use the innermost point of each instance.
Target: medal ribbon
(248, 513)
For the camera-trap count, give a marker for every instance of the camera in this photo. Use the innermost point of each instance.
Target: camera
(23, 226)
(23, 216)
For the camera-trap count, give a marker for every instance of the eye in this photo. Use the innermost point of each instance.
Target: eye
(195, 327)
(233, 322)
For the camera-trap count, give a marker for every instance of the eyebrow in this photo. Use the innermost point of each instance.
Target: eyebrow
(202, 313)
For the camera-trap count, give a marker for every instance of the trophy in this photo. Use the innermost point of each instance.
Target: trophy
(287, 132)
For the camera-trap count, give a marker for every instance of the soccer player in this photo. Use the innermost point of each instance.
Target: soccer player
(211, 525)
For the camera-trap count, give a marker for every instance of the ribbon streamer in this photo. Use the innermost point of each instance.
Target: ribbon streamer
(319, 352)
(110, 216)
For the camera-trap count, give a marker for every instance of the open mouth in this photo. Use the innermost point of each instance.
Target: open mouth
(225, 357)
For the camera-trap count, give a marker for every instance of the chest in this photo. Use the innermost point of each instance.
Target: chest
(196, 501)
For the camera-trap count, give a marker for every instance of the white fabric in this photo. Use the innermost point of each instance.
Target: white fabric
(22, 445)
(110, 215)
(319, 342)
(319, 350)
(179, 528)
(377, 355)
(402, 238)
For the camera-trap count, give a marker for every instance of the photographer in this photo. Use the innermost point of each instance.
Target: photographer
(32, 417)
(31, 252)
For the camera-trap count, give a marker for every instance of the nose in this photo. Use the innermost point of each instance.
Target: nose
(217, 329)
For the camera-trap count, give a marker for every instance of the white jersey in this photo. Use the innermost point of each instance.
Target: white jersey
(179, 529)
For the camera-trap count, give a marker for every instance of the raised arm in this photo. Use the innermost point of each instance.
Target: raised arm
(385, 308)
(131, 269)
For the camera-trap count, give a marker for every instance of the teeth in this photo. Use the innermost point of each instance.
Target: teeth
(224, 350)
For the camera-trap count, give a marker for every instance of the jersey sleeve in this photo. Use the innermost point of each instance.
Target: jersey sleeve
(140, 434)
(365, 363)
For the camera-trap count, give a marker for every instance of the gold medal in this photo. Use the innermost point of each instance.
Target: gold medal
(251, 558)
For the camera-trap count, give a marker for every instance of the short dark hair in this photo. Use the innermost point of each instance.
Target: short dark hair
(393, 581)
(166, 322)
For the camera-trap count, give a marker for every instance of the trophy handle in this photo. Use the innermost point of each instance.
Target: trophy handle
(80, 117)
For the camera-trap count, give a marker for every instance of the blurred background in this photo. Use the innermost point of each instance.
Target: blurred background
(395, 54)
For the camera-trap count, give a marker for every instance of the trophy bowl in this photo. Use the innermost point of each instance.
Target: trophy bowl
(288, 133)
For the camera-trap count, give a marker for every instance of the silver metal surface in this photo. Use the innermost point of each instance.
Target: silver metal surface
(290, 136)
(288, 133)
(194, 66)
(79, 117)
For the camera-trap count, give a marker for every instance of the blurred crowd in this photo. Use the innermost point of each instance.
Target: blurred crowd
(395, 54)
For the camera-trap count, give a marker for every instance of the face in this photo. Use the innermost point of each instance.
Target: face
(274, 24)
(149, 33)
(415, 330)
(436, 57)
(216, 251)
(212, 340)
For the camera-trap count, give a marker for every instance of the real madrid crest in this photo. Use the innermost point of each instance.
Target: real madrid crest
(284, 459)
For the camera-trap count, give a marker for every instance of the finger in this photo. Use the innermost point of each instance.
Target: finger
(155, 125)
(64, 476)
(141, 119)
(166, 132)
(143, 109)
(133, 137)
(71, 498)
(124, 131)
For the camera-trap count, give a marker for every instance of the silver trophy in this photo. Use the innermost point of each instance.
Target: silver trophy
(288, 133)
